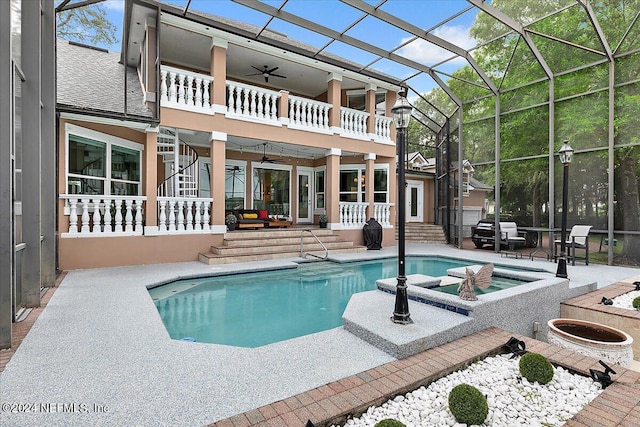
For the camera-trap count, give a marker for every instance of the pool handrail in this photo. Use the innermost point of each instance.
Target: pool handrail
(303, 255)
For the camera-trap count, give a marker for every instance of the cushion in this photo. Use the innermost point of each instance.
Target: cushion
(251, 216)
(240, 216)
(263, 214)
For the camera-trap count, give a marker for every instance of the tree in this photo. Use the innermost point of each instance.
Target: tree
(580, 117)
(86, 24)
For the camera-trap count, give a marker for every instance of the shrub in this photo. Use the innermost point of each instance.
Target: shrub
(535, 367)
(636, 303)
(230, 219)
(468, 405)
(389, 422)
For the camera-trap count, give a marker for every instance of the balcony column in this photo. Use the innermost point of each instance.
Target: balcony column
(332, 191)
(150, 186)
(334, 97)
(369, 160)
(218, 71)
(218, 155)
(390, 101)
(370, 107)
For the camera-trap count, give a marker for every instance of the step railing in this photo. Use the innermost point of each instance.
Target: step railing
(252, 102)
(303, 254)
(103, 215)
(184, 215)
(185, 90)
(308, 114)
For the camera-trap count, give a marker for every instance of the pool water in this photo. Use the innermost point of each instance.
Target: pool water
(255, 309)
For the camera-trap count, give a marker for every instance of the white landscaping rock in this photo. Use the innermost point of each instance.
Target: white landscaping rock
(624, 300)
(512, 400)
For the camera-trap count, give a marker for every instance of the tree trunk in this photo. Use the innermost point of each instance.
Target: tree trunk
(629, 199)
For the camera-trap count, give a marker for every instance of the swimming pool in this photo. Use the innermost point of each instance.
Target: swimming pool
(255, 309)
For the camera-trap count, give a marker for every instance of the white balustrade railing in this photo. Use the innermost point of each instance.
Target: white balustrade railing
(353, 122)
(382, 213)
(252, 102)
(309, 114)
(184, 215)
(352, 214)
(382, 129)
(185, 90)
(102, 215)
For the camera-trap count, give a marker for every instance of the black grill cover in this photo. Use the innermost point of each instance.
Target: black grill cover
(372, 234)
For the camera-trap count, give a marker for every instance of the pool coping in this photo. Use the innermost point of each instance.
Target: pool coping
(335, 402)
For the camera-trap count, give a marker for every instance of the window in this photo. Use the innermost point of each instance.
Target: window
(353, 182)
(271, 189)
(319, 189)
(98, 163)
(234, 188)
(356, 100)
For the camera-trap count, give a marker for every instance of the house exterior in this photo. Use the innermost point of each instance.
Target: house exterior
(195, 119)
(421, 182)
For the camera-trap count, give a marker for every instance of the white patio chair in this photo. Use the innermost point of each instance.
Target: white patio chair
(510, 236)
(578, 239)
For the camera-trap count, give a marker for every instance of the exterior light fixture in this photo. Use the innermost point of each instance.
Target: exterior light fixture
(566, 155)
(401, 117)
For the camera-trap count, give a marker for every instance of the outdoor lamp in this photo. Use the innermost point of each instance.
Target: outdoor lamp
(566, 155)
(401, 111)
(401, 116)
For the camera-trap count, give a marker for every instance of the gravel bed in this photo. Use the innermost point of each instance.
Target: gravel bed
(624, 300)
(512, 399)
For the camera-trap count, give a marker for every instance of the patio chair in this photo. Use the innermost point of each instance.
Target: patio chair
(578, 239)
(510, 236)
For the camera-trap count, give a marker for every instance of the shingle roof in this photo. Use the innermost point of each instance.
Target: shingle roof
(93, 80)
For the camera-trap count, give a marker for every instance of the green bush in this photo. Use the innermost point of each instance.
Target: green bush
(389, 422)
(535, 367)
(468, 405)
(636, 303)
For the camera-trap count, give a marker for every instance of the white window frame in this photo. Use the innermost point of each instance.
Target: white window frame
(379, 111)
(361, 170)
(242, 164)
(272, 166)
(109, 141)
(318, 210)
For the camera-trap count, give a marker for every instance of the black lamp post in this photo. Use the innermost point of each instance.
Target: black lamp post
(566, 155)
(401, 116)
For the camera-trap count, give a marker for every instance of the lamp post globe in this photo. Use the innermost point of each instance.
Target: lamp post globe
(566, 156)
(401, 117)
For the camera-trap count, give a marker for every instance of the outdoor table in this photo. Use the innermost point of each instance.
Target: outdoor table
(539, 247)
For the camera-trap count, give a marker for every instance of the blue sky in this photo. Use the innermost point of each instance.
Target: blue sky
(424, 14)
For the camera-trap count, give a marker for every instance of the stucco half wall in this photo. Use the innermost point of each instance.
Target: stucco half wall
(92, 252)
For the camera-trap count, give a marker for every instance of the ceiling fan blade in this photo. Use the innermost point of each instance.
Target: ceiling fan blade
(271, 70)
(258, 69)
(278, 75)
(254, 74)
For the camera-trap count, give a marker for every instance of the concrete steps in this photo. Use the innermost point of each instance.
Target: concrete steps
(426, 233)
(256, 245)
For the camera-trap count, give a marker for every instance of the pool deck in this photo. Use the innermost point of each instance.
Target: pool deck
(100, 344)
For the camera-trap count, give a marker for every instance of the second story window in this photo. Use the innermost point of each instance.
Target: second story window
(357, 101)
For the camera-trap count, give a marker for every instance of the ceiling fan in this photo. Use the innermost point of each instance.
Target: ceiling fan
(266, 73)
(264, 155)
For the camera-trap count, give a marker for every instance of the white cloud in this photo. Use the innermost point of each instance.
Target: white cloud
(427, 53)
(116, 5)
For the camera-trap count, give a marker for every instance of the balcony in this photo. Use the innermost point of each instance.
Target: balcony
(190, 91)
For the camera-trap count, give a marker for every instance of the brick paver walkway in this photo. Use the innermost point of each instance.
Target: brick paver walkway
(333, 403)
